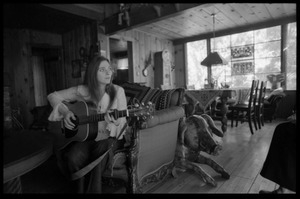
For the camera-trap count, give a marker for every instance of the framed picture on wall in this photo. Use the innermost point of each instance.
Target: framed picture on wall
(76, 68)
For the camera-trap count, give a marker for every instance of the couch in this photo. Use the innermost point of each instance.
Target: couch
(149, 157)
(270, 106)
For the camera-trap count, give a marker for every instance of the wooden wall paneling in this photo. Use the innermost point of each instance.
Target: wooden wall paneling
(172, 71)
(142, 56)
(128, 33)
(73, 55)
(76, 50)
(130, 47)
(168, 72)
(22, 77)
(10, 61)
(68, 57)
(143, 43)
(147, 52)
(40, 89)
(137, 73)
(180, 75)
(151, 70)
(88, 38)
(103, 41)
(38, 37)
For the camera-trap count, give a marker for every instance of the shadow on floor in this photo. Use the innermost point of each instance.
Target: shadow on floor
(48, 179)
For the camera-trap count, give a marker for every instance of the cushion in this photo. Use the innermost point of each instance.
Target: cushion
(278, 91)
(134, 91)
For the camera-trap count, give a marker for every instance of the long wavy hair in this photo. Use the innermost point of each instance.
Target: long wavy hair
(90, 80)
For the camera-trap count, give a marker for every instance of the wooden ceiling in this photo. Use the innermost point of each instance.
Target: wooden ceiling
(199, 21)
(187, 20)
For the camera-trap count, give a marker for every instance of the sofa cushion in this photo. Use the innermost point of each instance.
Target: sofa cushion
(134, 91)
(161, 98)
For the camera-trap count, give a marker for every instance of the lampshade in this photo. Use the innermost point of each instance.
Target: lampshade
(213, 58)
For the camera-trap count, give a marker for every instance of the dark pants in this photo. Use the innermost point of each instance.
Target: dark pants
(77, 155)
(280, 163)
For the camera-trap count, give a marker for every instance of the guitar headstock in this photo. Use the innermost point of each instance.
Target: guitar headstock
(141, 111)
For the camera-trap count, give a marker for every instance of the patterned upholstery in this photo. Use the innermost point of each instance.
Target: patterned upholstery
(161, 98)
(134, 91)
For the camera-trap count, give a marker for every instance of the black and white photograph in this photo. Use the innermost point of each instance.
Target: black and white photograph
(149, 98)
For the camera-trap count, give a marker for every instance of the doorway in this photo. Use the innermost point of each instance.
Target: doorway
(121, 59)
(48, 73)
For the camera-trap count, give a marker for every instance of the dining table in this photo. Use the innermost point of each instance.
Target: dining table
(205, 98)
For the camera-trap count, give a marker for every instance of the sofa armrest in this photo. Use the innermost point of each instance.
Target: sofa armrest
(163, 116)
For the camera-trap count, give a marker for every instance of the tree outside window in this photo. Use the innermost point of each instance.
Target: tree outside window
(266, 58)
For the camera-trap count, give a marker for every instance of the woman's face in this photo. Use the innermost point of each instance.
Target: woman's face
(104, 73)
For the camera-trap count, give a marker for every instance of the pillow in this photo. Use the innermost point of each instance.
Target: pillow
(134, 90)
(278, 91)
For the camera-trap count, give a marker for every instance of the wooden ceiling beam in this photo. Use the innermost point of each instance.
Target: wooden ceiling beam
(145, 14)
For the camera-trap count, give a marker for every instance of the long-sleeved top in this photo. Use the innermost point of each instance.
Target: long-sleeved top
(81, 93)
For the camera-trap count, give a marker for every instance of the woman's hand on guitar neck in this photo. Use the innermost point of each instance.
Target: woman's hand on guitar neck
(67, 120)
(110, 119)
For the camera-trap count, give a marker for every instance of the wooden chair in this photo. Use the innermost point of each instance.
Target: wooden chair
(260, 104)
(238, 111)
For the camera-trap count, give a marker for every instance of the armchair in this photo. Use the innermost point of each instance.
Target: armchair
(150, 153)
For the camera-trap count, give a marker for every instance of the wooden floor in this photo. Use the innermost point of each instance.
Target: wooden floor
(242, 156)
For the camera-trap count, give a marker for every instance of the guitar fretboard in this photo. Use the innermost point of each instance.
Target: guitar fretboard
(100, 117)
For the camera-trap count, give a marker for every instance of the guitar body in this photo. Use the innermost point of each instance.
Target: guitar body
(64, 136)
(87, 122)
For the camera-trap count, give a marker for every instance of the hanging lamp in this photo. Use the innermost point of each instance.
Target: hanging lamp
(213, 58)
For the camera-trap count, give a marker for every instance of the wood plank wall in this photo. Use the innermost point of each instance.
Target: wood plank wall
(143, 45)
(18, 67)
(83, 36)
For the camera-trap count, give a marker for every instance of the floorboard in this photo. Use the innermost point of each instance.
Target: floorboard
(242, 156)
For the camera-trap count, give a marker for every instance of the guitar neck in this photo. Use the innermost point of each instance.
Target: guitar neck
(100, 117)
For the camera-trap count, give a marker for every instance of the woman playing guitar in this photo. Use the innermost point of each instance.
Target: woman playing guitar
(98, 90)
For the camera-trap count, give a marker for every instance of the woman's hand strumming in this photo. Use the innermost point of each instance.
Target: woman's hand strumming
(67, 120)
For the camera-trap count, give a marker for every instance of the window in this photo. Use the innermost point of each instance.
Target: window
(250, 55)
(196, 52)
(291, 77)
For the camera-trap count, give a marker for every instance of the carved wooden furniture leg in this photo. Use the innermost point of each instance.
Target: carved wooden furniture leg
(213, 164)
(224, 110)
(195, 167)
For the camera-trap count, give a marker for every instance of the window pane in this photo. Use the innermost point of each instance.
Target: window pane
(269, 49)
(242, 80)
(267, 65)
(291, 75)
(242, 38)
(196, 73)
(221, 42)
(267, 34)
(219, 71)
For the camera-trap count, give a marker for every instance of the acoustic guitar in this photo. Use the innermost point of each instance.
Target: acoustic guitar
(86, 123)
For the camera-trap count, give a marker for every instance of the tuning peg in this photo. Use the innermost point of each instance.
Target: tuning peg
(136, 105)
(142, 104)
